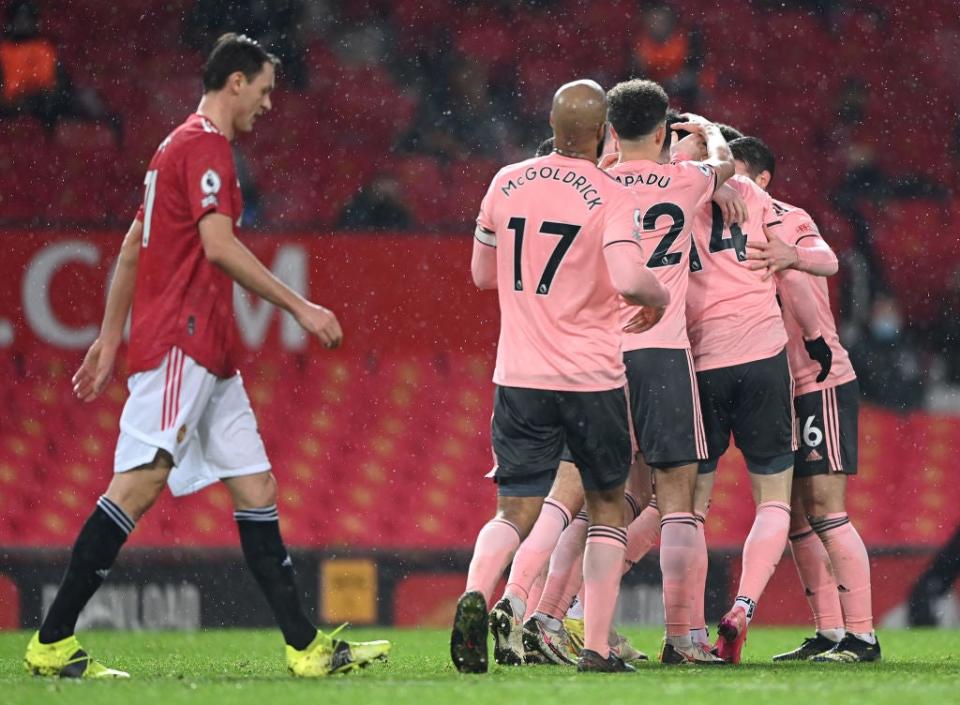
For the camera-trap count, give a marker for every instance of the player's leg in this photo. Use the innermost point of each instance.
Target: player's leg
(809, 554)
(701, 505)
(233, 452)
(764, 430)
(641, 513)
(716, 390)
(824, 498)
(532, 557)
(164, 405)
(527, 439)
(54, 650)
(598, 435)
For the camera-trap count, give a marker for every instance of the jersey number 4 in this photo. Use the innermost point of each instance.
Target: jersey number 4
(567, 233)
(718, 243)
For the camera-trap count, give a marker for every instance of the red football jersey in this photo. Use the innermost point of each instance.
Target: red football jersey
(180, 299)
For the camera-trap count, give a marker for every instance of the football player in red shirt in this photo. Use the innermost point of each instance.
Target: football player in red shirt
(188, 421)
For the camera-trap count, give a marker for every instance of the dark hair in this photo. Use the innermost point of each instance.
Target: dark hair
(636, 108)
(755, 154)
(234, 52)
(729, 133)
(545, 147)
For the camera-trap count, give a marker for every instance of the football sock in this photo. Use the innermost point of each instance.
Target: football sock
(94, 552)
(642, 533)
(763, 549)
(602, 570)
(677, 564)
(632, 507)
(701, 562)
(851, 568)
(565, 564)
(533, 599)
(272, 567)
(496, 544)
(534, 553)
(816, 576)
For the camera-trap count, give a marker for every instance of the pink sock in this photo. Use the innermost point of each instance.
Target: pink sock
(535, 591)
(534, 552)
(496, 542)
(642, 533)
(816, 576)
(701, 563)
(851, 567)
(763, 550)
(602, 570)
(678, 540)
(565, 563)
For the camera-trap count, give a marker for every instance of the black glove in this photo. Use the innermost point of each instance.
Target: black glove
(819, 350)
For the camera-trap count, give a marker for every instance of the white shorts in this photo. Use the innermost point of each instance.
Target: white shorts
(204, 422)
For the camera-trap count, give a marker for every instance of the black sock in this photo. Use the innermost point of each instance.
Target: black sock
(271, 565)
(93, 554)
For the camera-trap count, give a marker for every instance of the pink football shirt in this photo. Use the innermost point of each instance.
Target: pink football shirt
(794, 228)
(732, 314)
(670, 196)
(550, 219)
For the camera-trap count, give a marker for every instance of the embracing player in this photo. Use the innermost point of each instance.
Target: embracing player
(738, 342)
(829, 554)
(188, 421)
(556, 237)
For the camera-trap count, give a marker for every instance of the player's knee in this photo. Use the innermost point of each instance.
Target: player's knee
(135, 492)
(254, 491)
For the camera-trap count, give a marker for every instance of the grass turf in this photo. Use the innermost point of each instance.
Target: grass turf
(243, 667)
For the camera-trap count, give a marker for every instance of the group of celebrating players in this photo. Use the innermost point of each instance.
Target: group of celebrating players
(640, 327)
(655, 299)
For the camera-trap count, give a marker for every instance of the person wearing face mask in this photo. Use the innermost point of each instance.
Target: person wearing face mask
(889, 367)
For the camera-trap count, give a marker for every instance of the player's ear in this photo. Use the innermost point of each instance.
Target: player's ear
(236, 81)
(763, 179)
(661, 134)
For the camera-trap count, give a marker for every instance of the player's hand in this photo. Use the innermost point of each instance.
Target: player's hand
(644, 319)
(320, 322)
(732, 205)
(95, 372)
(774, 255)
(819, 351)
(608, 160)
(692, 122)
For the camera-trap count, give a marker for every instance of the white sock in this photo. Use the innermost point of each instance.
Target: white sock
(551, 623)
(747, 605)
(834, 635)
(518, 605)
(869, 637)
(576, 610)
(680, 642)
(700, 636)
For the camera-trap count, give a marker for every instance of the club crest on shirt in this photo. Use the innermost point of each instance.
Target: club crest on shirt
(181, 434)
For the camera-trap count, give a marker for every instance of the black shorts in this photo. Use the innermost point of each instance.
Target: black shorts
(665, 404)
(754, 401)
(530, 427)
(828, 431)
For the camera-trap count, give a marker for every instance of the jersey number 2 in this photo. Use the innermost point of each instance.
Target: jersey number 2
(567, 233)
(150, 181)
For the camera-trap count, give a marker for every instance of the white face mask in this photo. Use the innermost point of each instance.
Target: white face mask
(886, 326)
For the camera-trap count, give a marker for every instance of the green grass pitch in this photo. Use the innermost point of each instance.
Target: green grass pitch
(240, 667)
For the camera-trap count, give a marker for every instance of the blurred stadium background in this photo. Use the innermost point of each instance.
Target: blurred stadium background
(389, 120)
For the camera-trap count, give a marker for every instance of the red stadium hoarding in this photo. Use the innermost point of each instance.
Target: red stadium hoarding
(382, 443)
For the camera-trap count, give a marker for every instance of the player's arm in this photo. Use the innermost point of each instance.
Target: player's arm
(483, 263)
(796, 296)
(97, 366)
(719, 156)
(810, 254)
(223, 249)
(631, 277)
